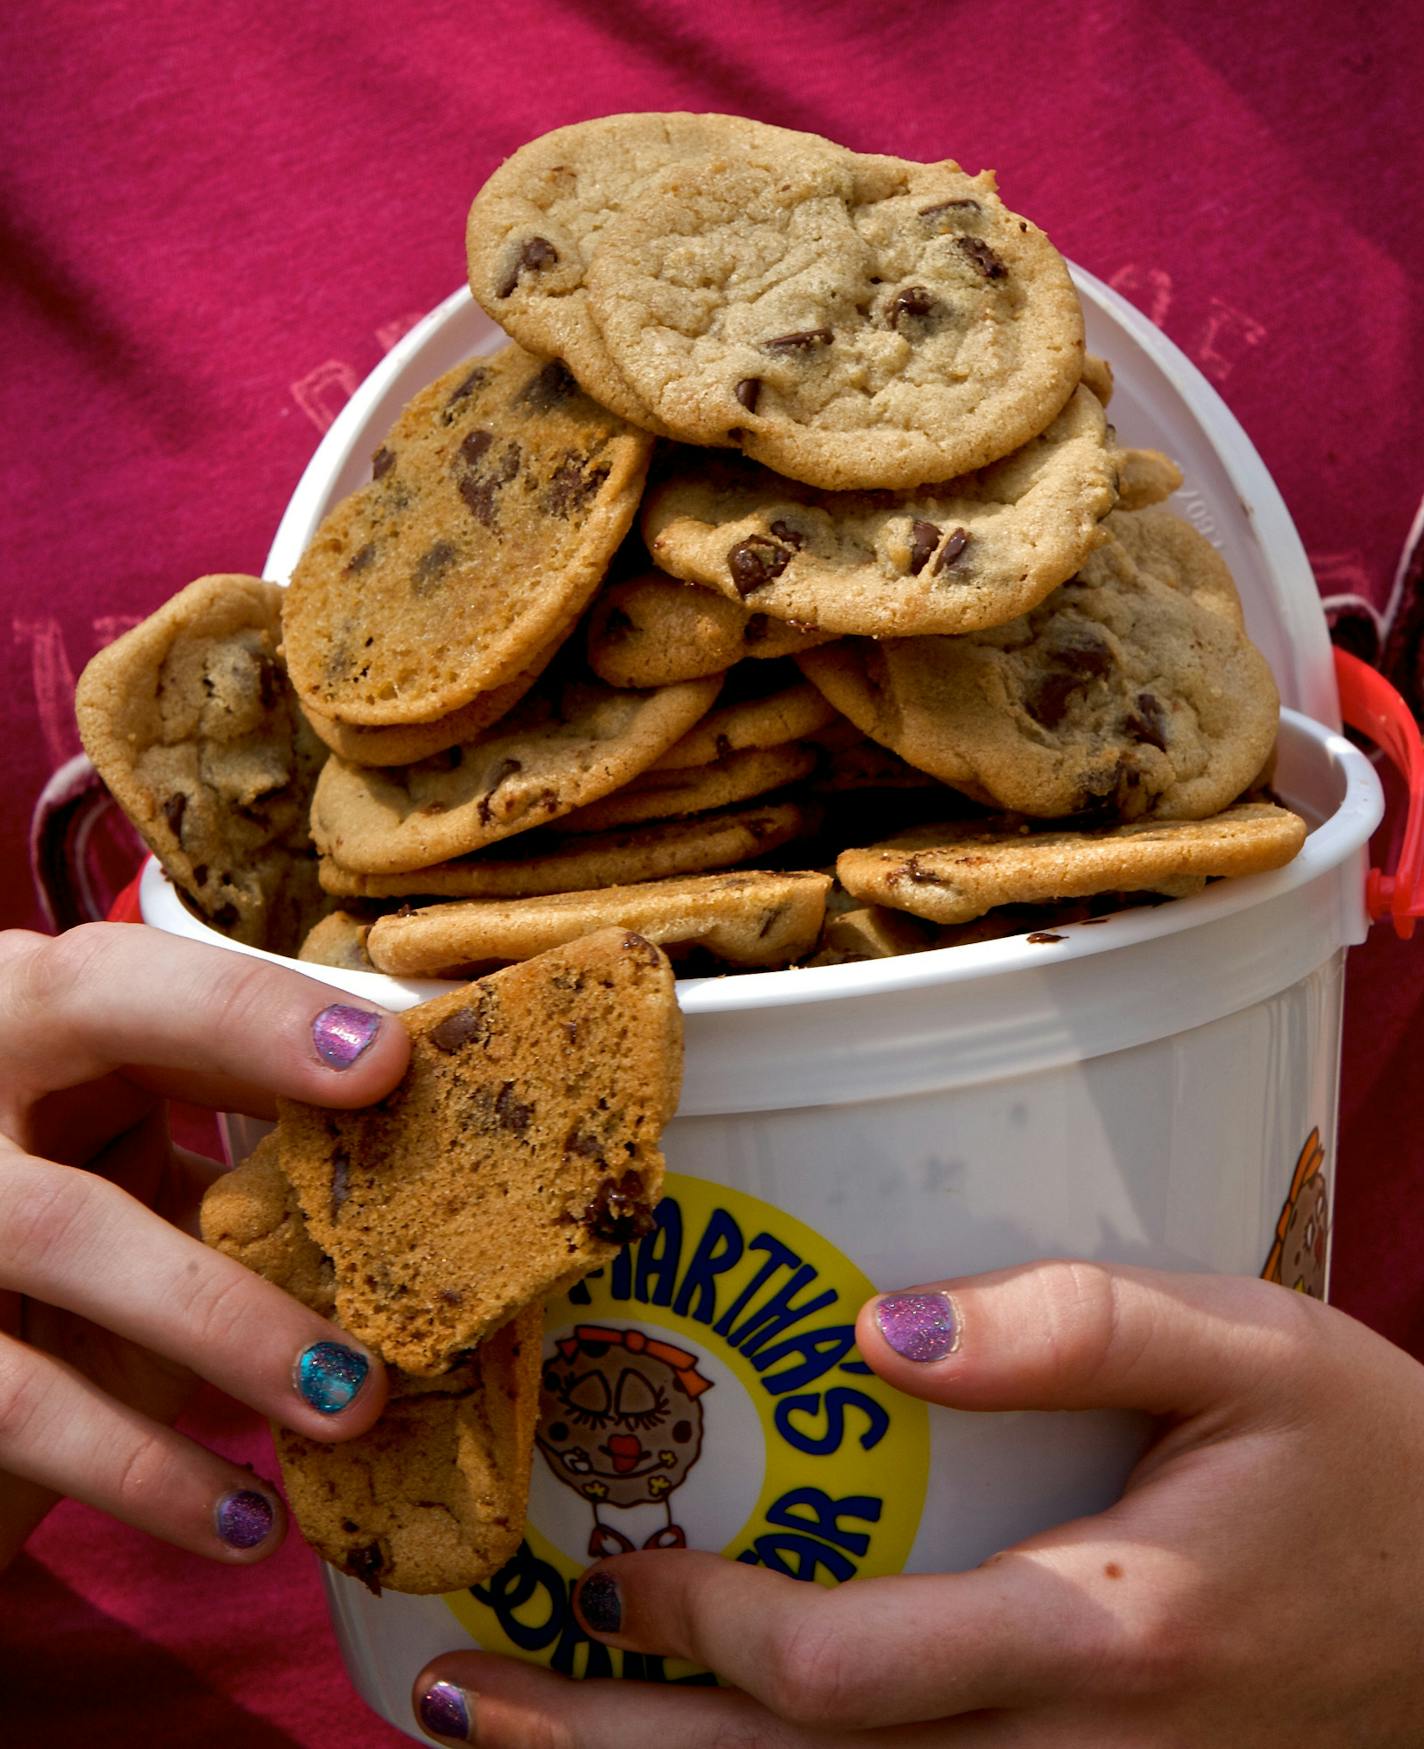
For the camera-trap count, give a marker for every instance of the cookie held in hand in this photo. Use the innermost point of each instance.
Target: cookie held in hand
(432, 1497)
(519, 1151)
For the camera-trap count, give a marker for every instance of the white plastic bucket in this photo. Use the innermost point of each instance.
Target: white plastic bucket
(1159, 1087)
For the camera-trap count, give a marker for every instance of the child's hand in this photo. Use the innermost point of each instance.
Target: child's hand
(1261, 1582)
(110, 1308)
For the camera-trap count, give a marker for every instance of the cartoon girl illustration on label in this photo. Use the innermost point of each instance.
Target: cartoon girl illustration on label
(1297, 1257)
(620, 1422)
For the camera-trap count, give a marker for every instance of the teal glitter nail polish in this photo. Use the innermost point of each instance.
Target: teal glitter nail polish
(329, 1375)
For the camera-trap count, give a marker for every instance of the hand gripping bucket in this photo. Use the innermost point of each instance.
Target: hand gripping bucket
(1159, 1088)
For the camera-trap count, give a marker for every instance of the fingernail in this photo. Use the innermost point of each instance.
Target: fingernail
(243, 1518)
(445, 1712)
(919, 1326)
(341, 1034)
(329, 1376)
(599, 1603)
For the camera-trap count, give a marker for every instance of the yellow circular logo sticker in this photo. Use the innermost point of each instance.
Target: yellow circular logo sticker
(704, 1391)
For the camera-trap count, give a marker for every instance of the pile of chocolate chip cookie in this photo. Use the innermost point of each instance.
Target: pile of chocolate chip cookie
(781, 591)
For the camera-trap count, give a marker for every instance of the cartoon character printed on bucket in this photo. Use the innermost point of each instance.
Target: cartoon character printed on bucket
(1298, 1255)
(704, 1391)
(620, 1422)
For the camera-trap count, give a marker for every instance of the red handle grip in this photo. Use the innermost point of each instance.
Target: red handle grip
(1370, 704)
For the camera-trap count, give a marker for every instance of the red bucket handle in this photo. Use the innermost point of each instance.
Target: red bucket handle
(126, 907)
(1370, 704)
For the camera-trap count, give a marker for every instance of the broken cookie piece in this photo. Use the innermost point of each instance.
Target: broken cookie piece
(432, 1498)
(534, 1099)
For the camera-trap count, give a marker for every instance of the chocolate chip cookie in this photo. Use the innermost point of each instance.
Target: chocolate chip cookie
(653, 631)
(570, 742)
(949, 873)
(409, 743)
(534, 225)
(432, 1498)
(548, 862)
(760, 705)
(519, 1151)
(190, 721)
(742, 919)
(338, 940)
(495, 505)
(1122, 693)
(971, 552)
(671, 793)
(849, 321)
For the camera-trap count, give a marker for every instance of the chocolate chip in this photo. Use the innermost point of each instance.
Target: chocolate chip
(755, 561)
(537, 254)
(757, 628)
(1148, 722)
(479, 490)
(618, 1212)
(1047, 703)
(552, 385)
(474, 446)
(225, 917)
(505, 768)
(512, 1113)
(366, 1564)
(801, 341)
(982, 256)
(340, 1180)
(570, 487)
(464, 1026)
(462, 390)
(200, 874)
(382, 462)
(910, 300)
(951, 550)
(173, 810)
(945, 208)
(432, 565)
(617, 624)
(587, 1147)
(1079, 647)
(785, 532)
(924, 538)
(1042, 935)
(362, 557)
(748, 392)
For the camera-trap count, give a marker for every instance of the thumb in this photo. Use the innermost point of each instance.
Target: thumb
(1073, 1335)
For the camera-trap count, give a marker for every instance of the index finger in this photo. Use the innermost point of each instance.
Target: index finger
(185, 1019)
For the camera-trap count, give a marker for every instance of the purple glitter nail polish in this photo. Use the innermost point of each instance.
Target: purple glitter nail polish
(444, 1711)
(599, 1603)
(919, 1326)
(341, 1034)
(243, 1518)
